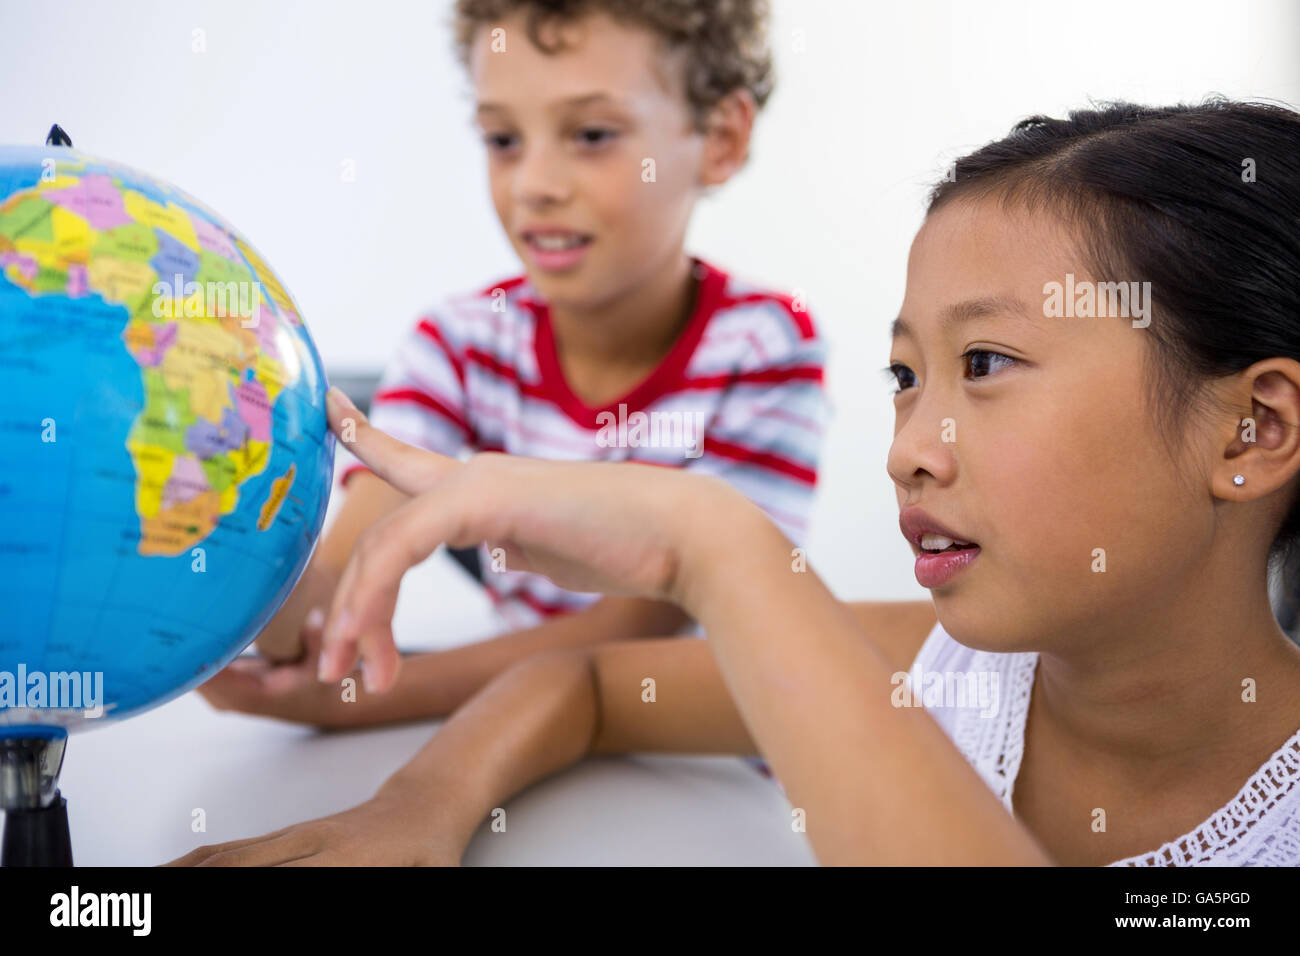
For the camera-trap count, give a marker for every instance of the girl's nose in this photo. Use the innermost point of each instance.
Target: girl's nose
(925, 444)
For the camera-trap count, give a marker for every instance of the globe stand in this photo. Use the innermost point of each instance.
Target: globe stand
(33, 814)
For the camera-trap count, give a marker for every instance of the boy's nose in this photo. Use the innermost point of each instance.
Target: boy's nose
(542, 178)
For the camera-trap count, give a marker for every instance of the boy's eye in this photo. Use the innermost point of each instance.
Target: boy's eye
(499, 141)
(596, 135)
(980, 363)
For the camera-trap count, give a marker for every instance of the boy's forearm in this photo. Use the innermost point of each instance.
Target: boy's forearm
(534, 720)
(435, 684)
(554, 709)
(367, 498)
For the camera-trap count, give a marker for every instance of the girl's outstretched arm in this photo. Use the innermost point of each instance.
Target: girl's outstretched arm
(879, 784)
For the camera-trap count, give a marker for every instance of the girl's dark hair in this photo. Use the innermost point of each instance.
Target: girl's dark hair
(1202, 201)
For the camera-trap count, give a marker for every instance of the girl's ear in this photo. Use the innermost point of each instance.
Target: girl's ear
(1265, 448)
(726, 140)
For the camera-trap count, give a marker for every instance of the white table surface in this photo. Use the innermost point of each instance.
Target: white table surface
(132, 787)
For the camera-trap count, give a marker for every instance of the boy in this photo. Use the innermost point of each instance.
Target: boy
(603, 122)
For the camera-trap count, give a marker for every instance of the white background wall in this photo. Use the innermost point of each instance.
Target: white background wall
(873, 100)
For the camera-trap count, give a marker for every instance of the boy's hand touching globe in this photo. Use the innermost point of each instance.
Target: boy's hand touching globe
(283, 640)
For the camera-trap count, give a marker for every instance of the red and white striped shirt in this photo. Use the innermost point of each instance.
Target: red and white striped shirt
(739, 396)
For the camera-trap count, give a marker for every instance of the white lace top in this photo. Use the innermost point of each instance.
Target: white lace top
(981, 699)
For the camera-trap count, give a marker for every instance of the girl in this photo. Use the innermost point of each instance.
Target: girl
(1093, 484)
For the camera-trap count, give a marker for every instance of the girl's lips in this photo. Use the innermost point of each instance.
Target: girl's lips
(915, 524)
(935, 569)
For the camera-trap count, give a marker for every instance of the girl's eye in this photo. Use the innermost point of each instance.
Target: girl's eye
(899, 375)
(980, 363)
(596, 135)
(976, 363)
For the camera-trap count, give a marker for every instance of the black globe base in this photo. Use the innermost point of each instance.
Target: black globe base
(37, 837)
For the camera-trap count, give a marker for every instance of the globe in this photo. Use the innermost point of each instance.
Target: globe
(165, 460)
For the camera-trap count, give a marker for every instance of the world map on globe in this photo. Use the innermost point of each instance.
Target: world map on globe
(166, 462)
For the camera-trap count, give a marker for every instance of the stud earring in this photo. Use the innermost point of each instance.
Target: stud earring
(1238, 480)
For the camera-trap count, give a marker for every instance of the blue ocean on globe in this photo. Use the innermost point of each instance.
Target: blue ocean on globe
(165, 460)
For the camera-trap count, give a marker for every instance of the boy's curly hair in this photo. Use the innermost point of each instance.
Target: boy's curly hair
(725, 40)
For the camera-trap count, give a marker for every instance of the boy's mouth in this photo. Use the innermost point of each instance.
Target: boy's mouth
(555, 249)
(553, 240)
